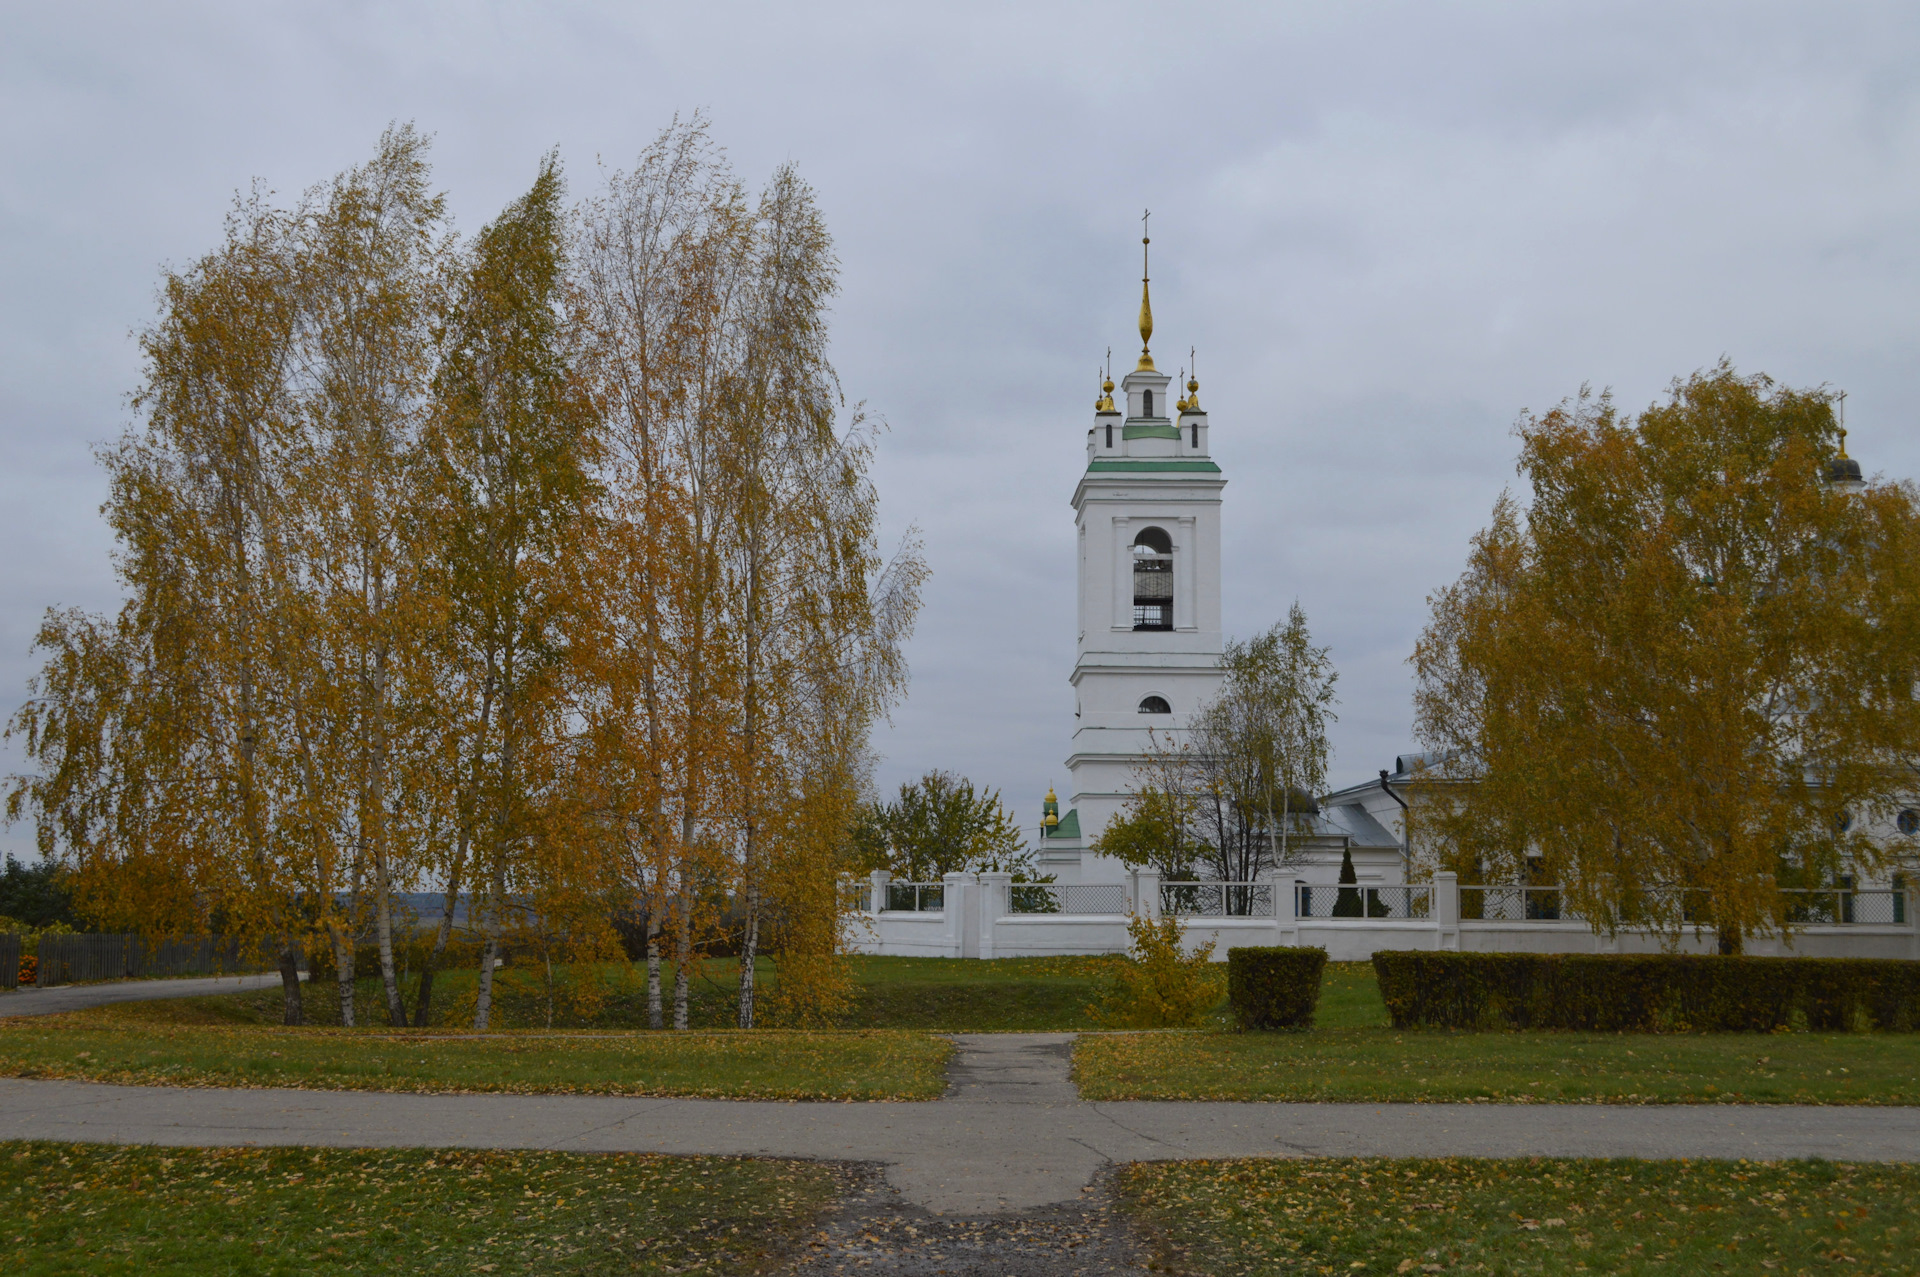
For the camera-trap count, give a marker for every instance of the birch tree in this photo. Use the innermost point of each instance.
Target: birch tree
(656, 252)
(168, 736)
(369, 276)
(810, 633)
(1672, 675)
(512, 440)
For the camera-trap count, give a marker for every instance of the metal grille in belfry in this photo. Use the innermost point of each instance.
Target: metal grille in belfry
(1152, 579)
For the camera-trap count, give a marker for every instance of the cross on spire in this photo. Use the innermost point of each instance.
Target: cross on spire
(1146, 303)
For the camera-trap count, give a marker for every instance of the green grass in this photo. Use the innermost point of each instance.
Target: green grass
(103, 1210)
(1537, 1216)
(1353, 1054)
(1005, 994)
(884, 1065)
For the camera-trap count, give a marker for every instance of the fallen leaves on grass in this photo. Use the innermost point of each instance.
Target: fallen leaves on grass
(1536, 1215)
(1388, 1065)
(106, 1210)
(876, 1065)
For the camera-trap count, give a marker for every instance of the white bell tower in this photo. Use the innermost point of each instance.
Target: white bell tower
(1148, 516)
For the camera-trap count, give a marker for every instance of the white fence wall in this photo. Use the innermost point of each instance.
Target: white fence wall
(977, 918)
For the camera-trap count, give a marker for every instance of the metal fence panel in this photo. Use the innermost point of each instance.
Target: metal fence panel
(1217, 899)
(1312, 900)
(916, 897)
(1870, 907)
(1068, 898)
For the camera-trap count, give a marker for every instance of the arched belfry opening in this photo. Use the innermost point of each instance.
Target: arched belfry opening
(1147, 403)
(1152, 580)
(1155, 705)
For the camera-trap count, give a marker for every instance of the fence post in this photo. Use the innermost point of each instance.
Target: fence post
(879, 879)
(956, 902)
(1446, 909)
(1148, 903)
(994, 905)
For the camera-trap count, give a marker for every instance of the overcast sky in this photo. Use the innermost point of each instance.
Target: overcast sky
(1388, 229)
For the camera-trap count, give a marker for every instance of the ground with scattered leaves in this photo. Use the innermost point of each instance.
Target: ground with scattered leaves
(875, 1233)
(1536, 1216)
(773, 1065)
(106, 1211)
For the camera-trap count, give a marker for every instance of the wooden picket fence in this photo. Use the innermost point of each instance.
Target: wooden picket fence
(9, 960)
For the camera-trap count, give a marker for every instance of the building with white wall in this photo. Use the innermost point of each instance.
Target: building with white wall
(1147, 517)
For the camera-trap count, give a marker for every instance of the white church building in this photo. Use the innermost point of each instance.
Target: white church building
(1147, 658)
(1148, 650)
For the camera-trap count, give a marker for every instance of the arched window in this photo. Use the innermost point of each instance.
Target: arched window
(1154, 540)
(1155, 705)
(1908, 822)
(1152, 580)
(1148, 400)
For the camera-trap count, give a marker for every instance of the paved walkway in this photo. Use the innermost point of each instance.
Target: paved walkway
(32, 1000)
(1010, 1135)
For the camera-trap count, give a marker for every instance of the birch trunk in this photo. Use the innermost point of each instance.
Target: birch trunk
(653, 969)
(293, 1010)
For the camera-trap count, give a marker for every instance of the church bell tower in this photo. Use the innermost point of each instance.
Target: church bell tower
(1147, 513)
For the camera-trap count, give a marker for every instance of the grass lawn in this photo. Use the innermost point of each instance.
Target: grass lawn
(1354, 1054)
(1004, 994)
(885, 1065)
(234, 1039)
(1031, 994)
(102, 1210)
(1527, 1216)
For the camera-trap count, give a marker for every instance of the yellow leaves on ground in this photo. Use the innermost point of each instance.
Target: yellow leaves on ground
(1522, 1216)
(111, 1211)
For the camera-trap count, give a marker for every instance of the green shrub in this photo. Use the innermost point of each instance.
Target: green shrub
(1161, 985)
(1647, 993)
(1274, 988)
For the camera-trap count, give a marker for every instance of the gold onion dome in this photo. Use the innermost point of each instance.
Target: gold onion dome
(1843, 469)
(1193, 394)
(1105, 402)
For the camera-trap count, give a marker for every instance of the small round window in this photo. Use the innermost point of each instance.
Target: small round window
(1844, 821)
(1908, 822)
(1155, 705)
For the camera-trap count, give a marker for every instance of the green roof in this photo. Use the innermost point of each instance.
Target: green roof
(1069, 826)
(1150, 432)
(1148, 465)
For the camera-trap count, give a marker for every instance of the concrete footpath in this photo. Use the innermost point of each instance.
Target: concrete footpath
(1010, 1135)
(30, 1000)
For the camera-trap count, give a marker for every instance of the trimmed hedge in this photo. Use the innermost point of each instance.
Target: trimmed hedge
(1647, 993)
(1275, 987)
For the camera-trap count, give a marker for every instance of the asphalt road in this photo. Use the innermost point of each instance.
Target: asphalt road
(30, 1000)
